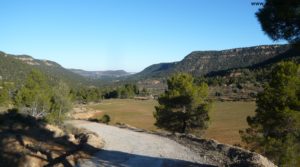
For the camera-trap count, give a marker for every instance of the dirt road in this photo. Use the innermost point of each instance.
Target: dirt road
(128, 148)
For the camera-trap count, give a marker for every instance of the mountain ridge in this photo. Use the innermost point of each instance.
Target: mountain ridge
(101, 74)
(197, 63)
(200, 63)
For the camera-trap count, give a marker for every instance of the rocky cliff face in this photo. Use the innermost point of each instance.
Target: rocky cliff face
(204, 62)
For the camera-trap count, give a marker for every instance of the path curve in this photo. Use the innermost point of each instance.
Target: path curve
(126, 148)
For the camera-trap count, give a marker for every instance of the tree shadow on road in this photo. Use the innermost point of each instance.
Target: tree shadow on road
(108, 158)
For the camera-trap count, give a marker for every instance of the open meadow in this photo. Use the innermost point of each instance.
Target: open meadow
(227, 118)
(138, 113)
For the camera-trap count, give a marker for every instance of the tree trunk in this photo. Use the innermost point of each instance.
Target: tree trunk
(183, 127)
(59, 113)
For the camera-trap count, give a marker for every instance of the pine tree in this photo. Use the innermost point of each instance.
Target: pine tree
(281, 20)
(60, 103)
(183, 106)
(34, 96)
(275, 129)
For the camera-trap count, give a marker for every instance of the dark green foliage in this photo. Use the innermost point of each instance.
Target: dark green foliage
(128, 91)
(85, 95)
(39, 99)
(218, 94)
(5, 94)
(123, 92)
(105, 119)
(4, 97)
(281, 19)
(183, 106)
(34, 97)
(111, 94)
(60, 103)
(13, 69)
(275, 129)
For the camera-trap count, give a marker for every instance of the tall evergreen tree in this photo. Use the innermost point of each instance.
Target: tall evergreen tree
(275, 128)
(183, 106)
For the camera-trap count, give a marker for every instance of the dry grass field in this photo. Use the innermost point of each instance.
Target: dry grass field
(227, 118)
(138, 113)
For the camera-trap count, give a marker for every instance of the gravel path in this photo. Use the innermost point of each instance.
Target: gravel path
(125, 148)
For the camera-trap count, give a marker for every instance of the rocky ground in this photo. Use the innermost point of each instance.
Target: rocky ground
(28, 142)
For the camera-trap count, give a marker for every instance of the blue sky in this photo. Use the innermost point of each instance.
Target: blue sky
(125, 34)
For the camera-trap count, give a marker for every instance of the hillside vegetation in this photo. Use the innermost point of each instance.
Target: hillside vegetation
(15, 68)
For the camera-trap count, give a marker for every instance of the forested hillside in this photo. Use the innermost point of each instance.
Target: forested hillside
(15, 68)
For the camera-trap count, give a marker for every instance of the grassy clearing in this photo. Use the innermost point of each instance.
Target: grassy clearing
(137, 113)
(227, 118)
